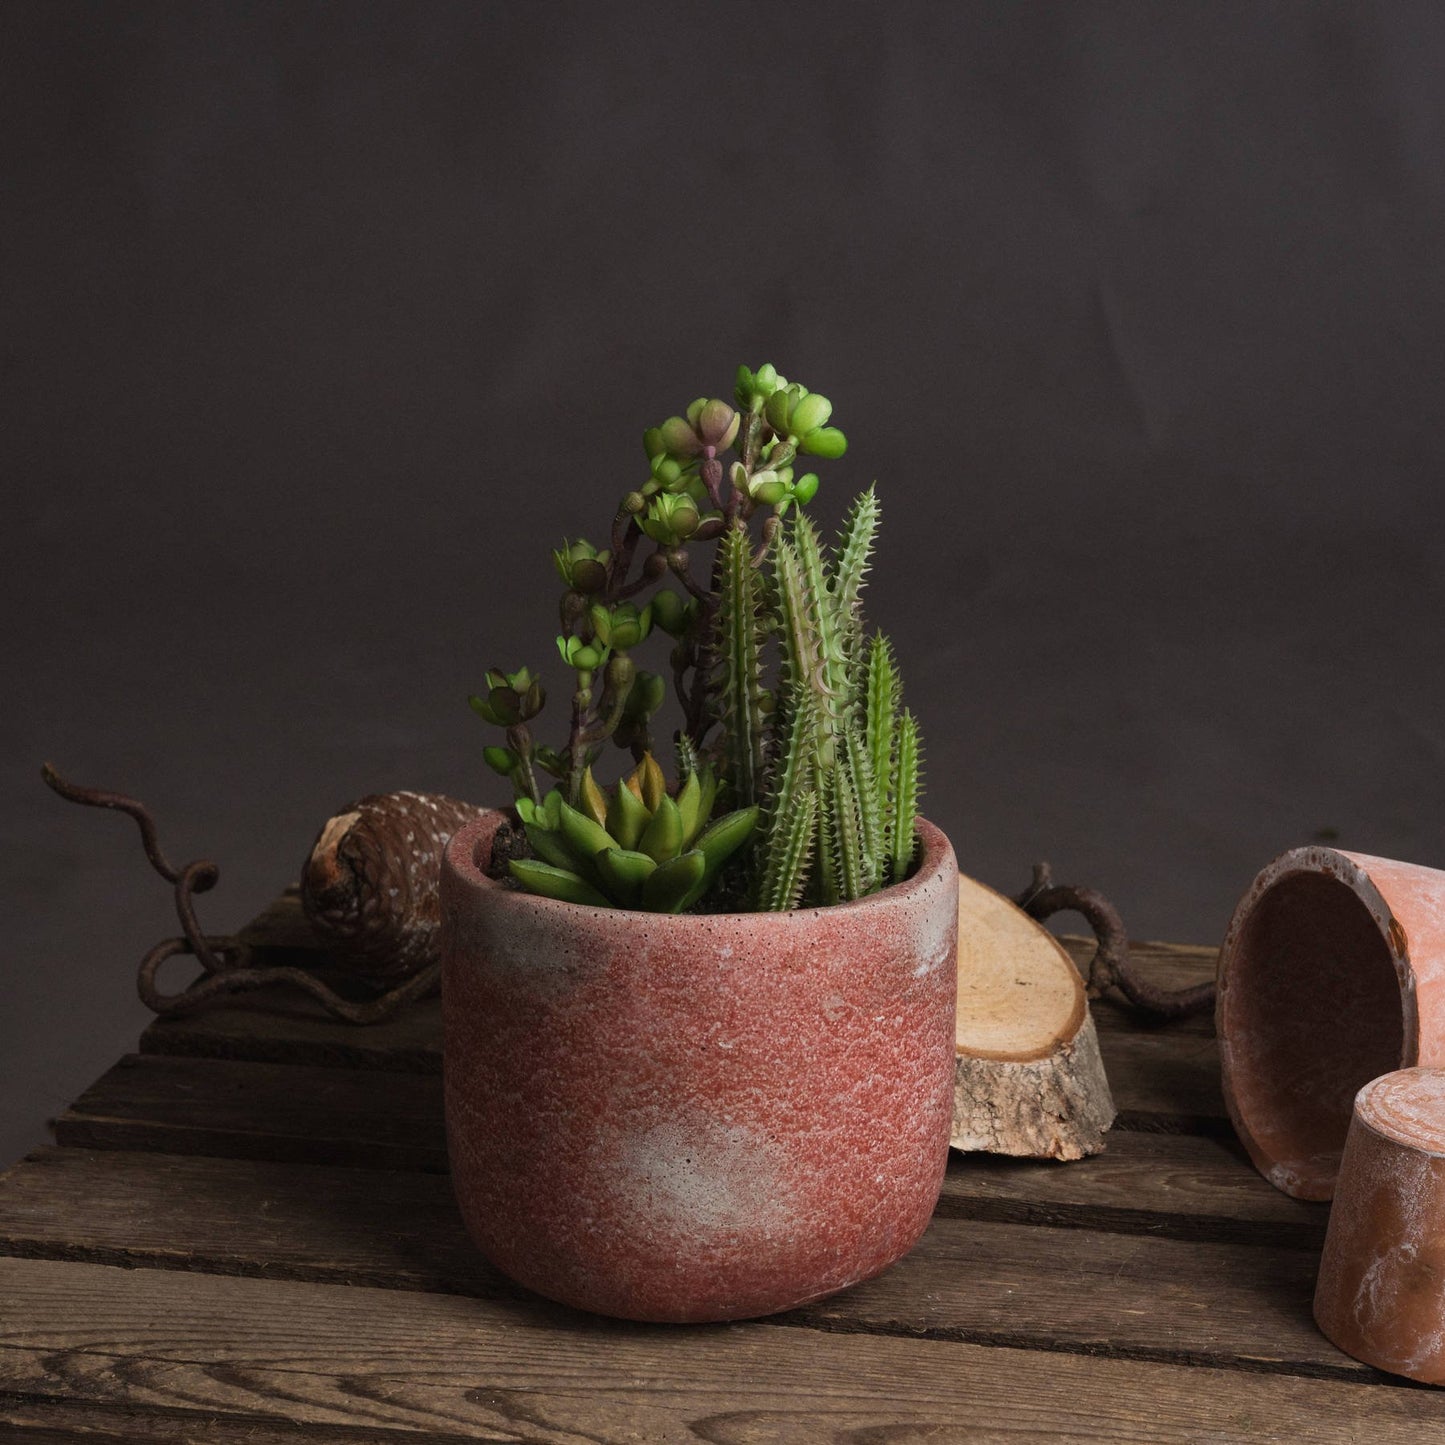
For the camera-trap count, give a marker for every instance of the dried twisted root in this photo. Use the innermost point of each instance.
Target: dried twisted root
(369, 890)
(1111, 965)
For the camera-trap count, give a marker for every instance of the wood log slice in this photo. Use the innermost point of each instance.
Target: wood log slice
(1028, 1079)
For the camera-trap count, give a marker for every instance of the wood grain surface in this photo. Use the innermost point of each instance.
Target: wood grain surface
(246, 1233)
(504, 1370)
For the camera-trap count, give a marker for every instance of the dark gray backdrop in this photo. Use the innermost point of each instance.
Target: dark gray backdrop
(321, 323)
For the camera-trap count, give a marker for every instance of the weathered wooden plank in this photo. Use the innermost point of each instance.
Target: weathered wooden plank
(398, 1228)
(512, 1370)
(1183, 1186)
(261, 1111)
(1161, 1082)
(280, 1026)
(1144, 1295)
(114, 1206)
(1165, 1081)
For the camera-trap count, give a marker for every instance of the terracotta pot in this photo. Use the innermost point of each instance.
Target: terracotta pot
(1381, 1292)
(1332, 973)
(696, 1117)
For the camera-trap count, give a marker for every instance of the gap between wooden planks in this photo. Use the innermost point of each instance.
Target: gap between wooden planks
(352, 1356)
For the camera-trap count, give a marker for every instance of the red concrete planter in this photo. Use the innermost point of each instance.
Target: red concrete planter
(1381, 1291)
(1332, 973)
(696, 1117)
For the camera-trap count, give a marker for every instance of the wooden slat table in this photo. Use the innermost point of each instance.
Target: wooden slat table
(245, 1233)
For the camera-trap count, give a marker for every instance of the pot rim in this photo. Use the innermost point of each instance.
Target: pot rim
(1350, 871)
(936, 855)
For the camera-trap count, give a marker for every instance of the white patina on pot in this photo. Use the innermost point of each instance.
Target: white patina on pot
(1331, 974)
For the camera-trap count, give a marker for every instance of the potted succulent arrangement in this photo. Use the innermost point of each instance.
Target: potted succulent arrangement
(699, 1031)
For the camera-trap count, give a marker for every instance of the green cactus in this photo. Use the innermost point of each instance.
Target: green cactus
(790, 710)
(848, 746)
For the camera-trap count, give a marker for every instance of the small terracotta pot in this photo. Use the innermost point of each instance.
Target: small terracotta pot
(1381, 1291)
(1332, 973)
(696, 1117)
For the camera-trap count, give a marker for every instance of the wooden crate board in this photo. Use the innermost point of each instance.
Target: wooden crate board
(273, 1184)
(1178, 1186)
(967, 1279)
(345, 1356)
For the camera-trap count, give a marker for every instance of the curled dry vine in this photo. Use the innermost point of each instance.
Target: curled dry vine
(1112, 965)
(227, 964)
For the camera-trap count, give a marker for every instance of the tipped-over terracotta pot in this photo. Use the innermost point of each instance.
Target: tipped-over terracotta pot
(696, 1117)
(1332, 973)
(1381, 1291)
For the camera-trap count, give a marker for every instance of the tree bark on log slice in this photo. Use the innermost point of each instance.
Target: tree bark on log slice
(1028, 1078)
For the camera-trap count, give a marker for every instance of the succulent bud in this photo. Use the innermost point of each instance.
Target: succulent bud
(678, 437)
(584, 656)
(717, 425)
(653, 566)
(601, 622)
(581, 566)
(826, 442)
(633, 503)
(668, 612)
(667, 471)
(768, 488)
(811, 412)
(500, 760)
(512, 697)
(649, 692)
(776, 411)
(805, 488)
(755, 387)
(652, 442)
(671, 517)
(626, 626)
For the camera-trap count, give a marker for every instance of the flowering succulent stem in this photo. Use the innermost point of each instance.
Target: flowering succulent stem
(813, 751)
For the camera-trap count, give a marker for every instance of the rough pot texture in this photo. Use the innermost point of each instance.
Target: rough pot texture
(1332, 973)
(696, 1117)
(1381, 1291)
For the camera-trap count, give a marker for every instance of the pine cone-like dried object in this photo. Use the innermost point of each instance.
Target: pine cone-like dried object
(370, 883)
